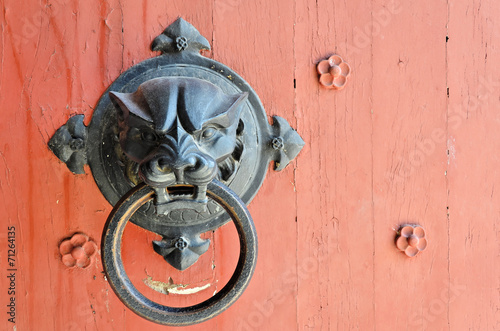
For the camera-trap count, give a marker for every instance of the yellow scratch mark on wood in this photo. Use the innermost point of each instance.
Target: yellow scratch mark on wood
(171, 287)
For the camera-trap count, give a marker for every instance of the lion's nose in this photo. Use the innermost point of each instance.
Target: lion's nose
(179, 166)
(167, 164)
(202, 172)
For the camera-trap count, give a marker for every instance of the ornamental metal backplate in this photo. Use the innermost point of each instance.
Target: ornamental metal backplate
(178, 144)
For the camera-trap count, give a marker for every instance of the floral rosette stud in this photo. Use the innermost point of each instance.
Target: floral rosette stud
(411, 240)
(333, 72)
(77, 251)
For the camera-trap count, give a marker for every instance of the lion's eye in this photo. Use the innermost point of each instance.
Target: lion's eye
(208, 133)
(148, 136)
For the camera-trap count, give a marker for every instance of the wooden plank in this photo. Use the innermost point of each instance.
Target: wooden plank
(369, 146)
(334, 171)
(255, 38)
(409, 95)
(473, 178)
(45, 201)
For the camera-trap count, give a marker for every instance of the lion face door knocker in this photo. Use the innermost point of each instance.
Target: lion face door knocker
(179, 144)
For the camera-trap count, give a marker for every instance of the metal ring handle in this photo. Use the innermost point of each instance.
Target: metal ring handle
(178, 316)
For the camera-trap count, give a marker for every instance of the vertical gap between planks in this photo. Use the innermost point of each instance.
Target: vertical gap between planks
(296, 162)
(372, 173)
(447, 163)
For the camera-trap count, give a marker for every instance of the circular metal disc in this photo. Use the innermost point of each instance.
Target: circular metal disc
(108, 163)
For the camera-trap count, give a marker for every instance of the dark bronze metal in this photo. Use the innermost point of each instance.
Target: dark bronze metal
(179, 123)
(69, 142)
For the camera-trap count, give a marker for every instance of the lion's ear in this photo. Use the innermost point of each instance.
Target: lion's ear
(232, 106)
(118, 100)
(130, 103)
(233, 113)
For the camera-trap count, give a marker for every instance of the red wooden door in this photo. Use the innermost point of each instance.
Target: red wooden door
(412, 138)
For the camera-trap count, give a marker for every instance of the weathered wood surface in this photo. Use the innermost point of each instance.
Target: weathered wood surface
(412, 138)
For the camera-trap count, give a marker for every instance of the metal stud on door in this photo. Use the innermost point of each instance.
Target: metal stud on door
(178, 132)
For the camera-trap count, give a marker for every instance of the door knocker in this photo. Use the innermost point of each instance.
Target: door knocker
(179, 144)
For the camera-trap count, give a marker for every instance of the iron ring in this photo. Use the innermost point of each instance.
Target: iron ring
(178, 316)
